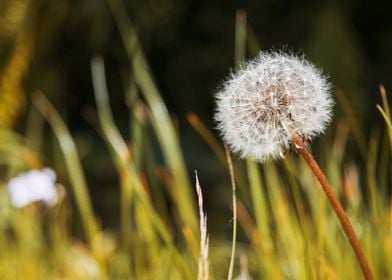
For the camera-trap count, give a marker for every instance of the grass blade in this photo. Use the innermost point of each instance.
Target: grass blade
(75, 172)
(232, 177)
(160, 117)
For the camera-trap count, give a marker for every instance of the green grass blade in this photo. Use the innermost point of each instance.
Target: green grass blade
(74, 169)
(115, 141)
(234, 198)
(385, 116)
(354, 123)
(161, 121)
(240, 38)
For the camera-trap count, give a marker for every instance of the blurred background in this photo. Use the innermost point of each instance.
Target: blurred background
(47, 46)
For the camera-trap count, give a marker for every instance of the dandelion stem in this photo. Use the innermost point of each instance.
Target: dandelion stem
(347, 227)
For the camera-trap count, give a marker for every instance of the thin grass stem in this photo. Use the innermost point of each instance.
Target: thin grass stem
(232, 177)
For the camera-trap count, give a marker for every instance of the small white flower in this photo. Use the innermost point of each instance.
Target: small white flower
(268, 100)
(33, 186)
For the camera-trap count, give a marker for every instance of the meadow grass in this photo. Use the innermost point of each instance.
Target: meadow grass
(289, 230)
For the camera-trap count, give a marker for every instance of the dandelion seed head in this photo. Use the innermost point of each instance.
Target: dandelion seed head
(268, 100)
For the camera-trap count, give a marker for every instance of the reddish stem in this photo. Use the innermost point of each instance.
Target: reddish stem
(347, 227)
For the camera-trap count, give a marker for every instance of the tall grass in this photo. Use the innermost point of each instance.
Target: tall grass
(289, 230)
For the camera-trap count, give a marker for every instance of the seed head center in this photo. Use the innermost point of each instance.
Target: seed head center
(271, 102)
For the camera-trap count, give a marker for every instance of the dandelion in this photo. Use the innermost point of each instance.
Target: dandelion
(269, 99)
(272, 104)
(33, 186)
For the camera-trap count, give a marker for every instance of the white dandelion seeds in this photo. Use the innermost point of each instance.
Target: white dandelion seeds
(272, 102)
(270, 99)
